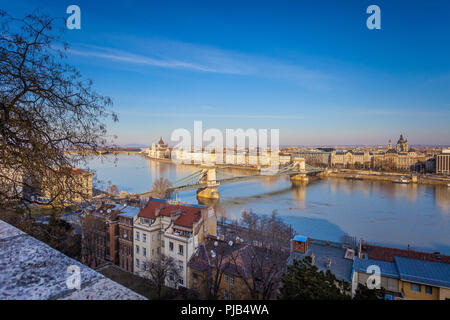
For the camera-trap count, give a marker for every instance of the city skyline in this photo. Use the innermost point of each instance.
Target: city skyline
(318, 75)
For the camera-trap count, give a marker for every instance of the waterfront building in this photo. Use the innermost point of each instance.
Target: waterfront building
(405, 273)
(159, 150)
(232, 156)
(350, 158)
(401, 157)
(443, 162)
(430, 165)
(402, 145)
(316, 157)
(171, 229)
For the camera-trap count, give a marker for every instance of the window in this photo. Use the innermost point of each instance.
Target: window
(180, 250)
(158, 250)
(137, 263)
(137, 235)
(225, 294)
(144, 252)
(231, 282)
(428, 290)
(137, 249)
(225, 277)
(171, 246)
(163, 244)
(415, 287)
(144, 237)
(144, 266)
(180, 264)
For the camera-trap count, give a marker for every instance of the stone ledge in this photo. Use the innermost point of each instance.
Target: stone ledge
(31, 270)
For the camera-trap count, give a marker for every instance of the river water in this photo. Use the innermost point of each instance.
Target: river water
(379, 212)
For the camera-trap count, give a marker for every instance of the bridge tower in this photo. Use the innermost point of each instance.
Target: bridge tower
(208, 177)
(300, 166)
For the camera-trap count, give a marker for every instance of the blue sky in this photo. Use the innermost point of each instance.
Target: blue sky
(309, 68)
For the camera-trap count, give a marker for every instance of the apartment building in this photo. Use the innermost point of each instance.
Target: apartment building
(126, 239)
(107, 235)
(443, 162)
(226, 269)
(405, 274)
(171, 229)
(65, 190)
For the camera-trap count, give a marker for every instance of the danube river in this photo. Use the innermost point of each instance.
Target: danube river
(379, 212)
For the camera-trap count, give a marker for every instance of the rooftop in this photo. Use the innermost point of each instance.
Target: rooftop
(387, 269)
(408, 269)
(425, 272)
(341, 267)
(188, 214)
(32, 270)
(129, 211)
(388, 254)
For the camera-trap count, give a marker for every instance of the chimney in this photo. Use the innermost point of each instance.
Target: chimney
(299, 244)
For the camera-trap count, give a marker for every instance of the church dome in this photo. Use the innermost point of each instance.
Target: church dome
(161, 142)
(401, 140)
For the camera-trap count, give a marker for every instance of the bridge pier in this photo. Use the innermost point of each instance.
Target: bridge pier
(300, 177)
(208, 193)
(208, 177)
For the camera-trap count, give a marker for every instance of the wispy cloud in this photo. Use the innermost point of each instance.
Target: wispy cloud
(123, 56)
(198, 58)
(404, 113)
(206, 115)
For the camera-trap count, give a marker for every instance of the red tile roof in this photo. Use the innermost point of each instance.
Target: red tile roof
(77, 171)
(388, 254)
(188, 215)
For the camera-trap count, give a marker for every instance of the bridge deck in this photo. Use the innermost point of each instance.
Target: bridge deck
(238, 179)
(197, 185)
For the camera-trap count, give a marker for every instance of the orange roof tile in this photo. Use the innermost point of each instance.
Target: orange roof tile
(188, 215)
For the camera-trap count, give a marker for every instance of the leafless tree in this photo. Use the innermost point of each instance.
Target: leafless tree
(261, 262)
(270, 230)
(93, 241)
(160, 271)
(46, 109)
(160, 188)
(260, 268)
(219, 264)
